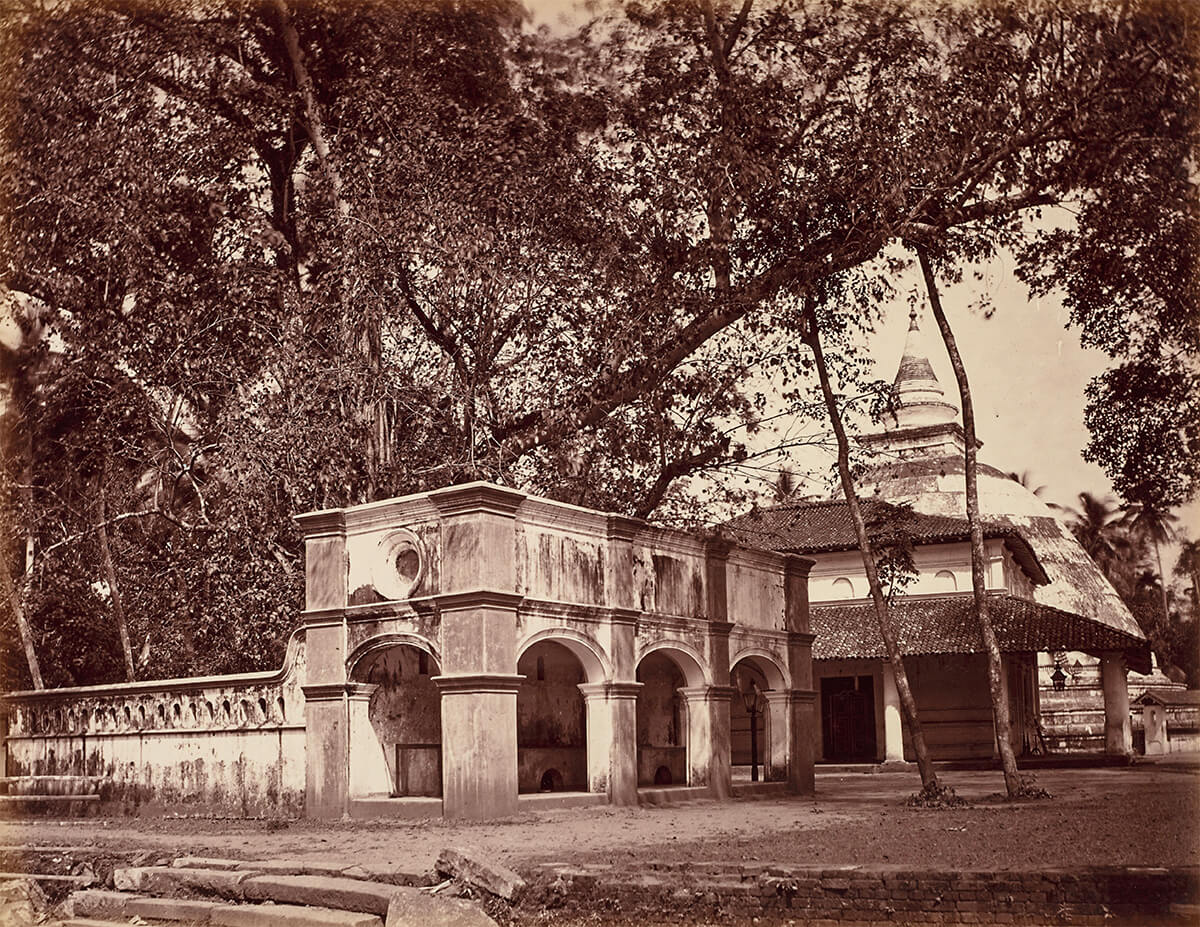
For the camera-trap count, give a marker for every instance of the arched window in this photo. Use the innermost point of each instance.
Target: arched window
(843, 588)
(944, 581)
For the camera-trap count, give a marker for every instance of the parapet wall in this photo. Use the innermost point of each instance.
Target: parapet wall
(229, 743)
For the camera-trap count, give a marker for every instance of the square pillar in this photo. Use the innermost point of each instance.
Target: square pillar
(1118, 728)
(326, 720)
(620, 590)
(1154, 723)
(779, 720)
(479, 703)
(612, 739)
(326, 752)
(802, 736)
(368, 766)
(708, 742)
(893, 724)
(478, 536)
(479, 744)
(623, 624)
(795, 594)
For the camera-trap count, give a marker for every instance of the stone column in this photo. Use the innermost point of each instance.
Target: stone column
(479, 703)
(804, 727)
(802, 746)
(326, 706)
(775, 759)
(708, 738)
(368, 766)
(1118, 729)
(479, 744)
(478, 636)
(893, 724)
(612, 739)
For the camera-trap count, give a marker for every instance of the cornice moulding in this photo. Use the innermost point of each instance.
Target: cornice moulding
(477, 598)
(469, 498)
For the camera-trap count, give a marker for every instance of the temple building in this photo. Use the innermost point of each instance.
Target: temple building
(1046, 597)
(464, 652)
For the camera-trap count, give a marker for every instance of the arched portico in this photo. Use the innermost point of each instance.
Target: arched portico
(662, 727)
(758, 714)
(498, 594)
(396, 749)
(551, 719)
(682, 720)
(591, 656)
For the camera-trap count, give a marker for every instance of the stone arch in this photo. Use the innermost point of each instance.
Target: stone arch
(589, 653)
(379, 642)
(754, 730)
(403, 710)
(691, 663)
(552, 714)
(665, 669)
(767, 663)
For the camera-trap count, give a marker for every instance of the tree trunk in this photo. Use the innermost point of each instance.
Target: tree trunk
(1008, 760)
(114, 590)
(368, 410)
(14, 601)
(908, 704)
(1162, 582)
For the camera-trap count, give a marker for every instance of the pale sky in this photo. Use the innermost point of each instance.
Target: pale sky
(1027, 374)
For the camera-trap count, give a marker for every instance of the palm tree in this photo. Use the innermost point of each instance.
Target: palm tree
(1148, 523)
(1188, 565)
(785, 483)
(1100, 527)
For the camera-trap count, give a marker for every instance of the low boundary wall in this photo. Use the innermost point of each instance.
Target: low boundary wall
(869, 895)
(228, 743)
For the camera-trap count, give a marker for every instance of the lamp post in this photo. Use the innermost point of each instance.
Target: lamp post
(752, 699)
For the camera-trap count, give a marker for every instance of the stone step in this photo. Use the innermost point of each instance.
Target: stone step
(57, 806)
(80, 880)
(672, 794)
(250, 915)
(368, 872)
(188, 910)
(35, 798)
(337, 892)
(289, 915)
(92, 922)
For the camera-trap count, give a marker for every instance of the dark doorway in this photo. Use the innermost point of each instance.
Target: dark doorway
(848, 718)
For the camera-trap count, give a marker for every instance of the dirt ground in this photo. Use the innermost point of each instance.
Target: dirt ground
(1145, 815)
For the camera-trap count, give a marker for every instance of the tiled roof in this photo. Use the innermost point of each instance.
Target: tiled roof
(946, 624)
(1170, 697)
(822, 527)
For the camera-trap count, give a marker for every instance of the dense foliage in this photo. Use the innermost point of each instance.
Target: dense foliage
(1125, 541)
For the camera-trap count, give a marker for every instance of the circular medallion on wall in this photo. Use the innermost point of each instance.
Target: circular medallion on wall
(400, 566)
